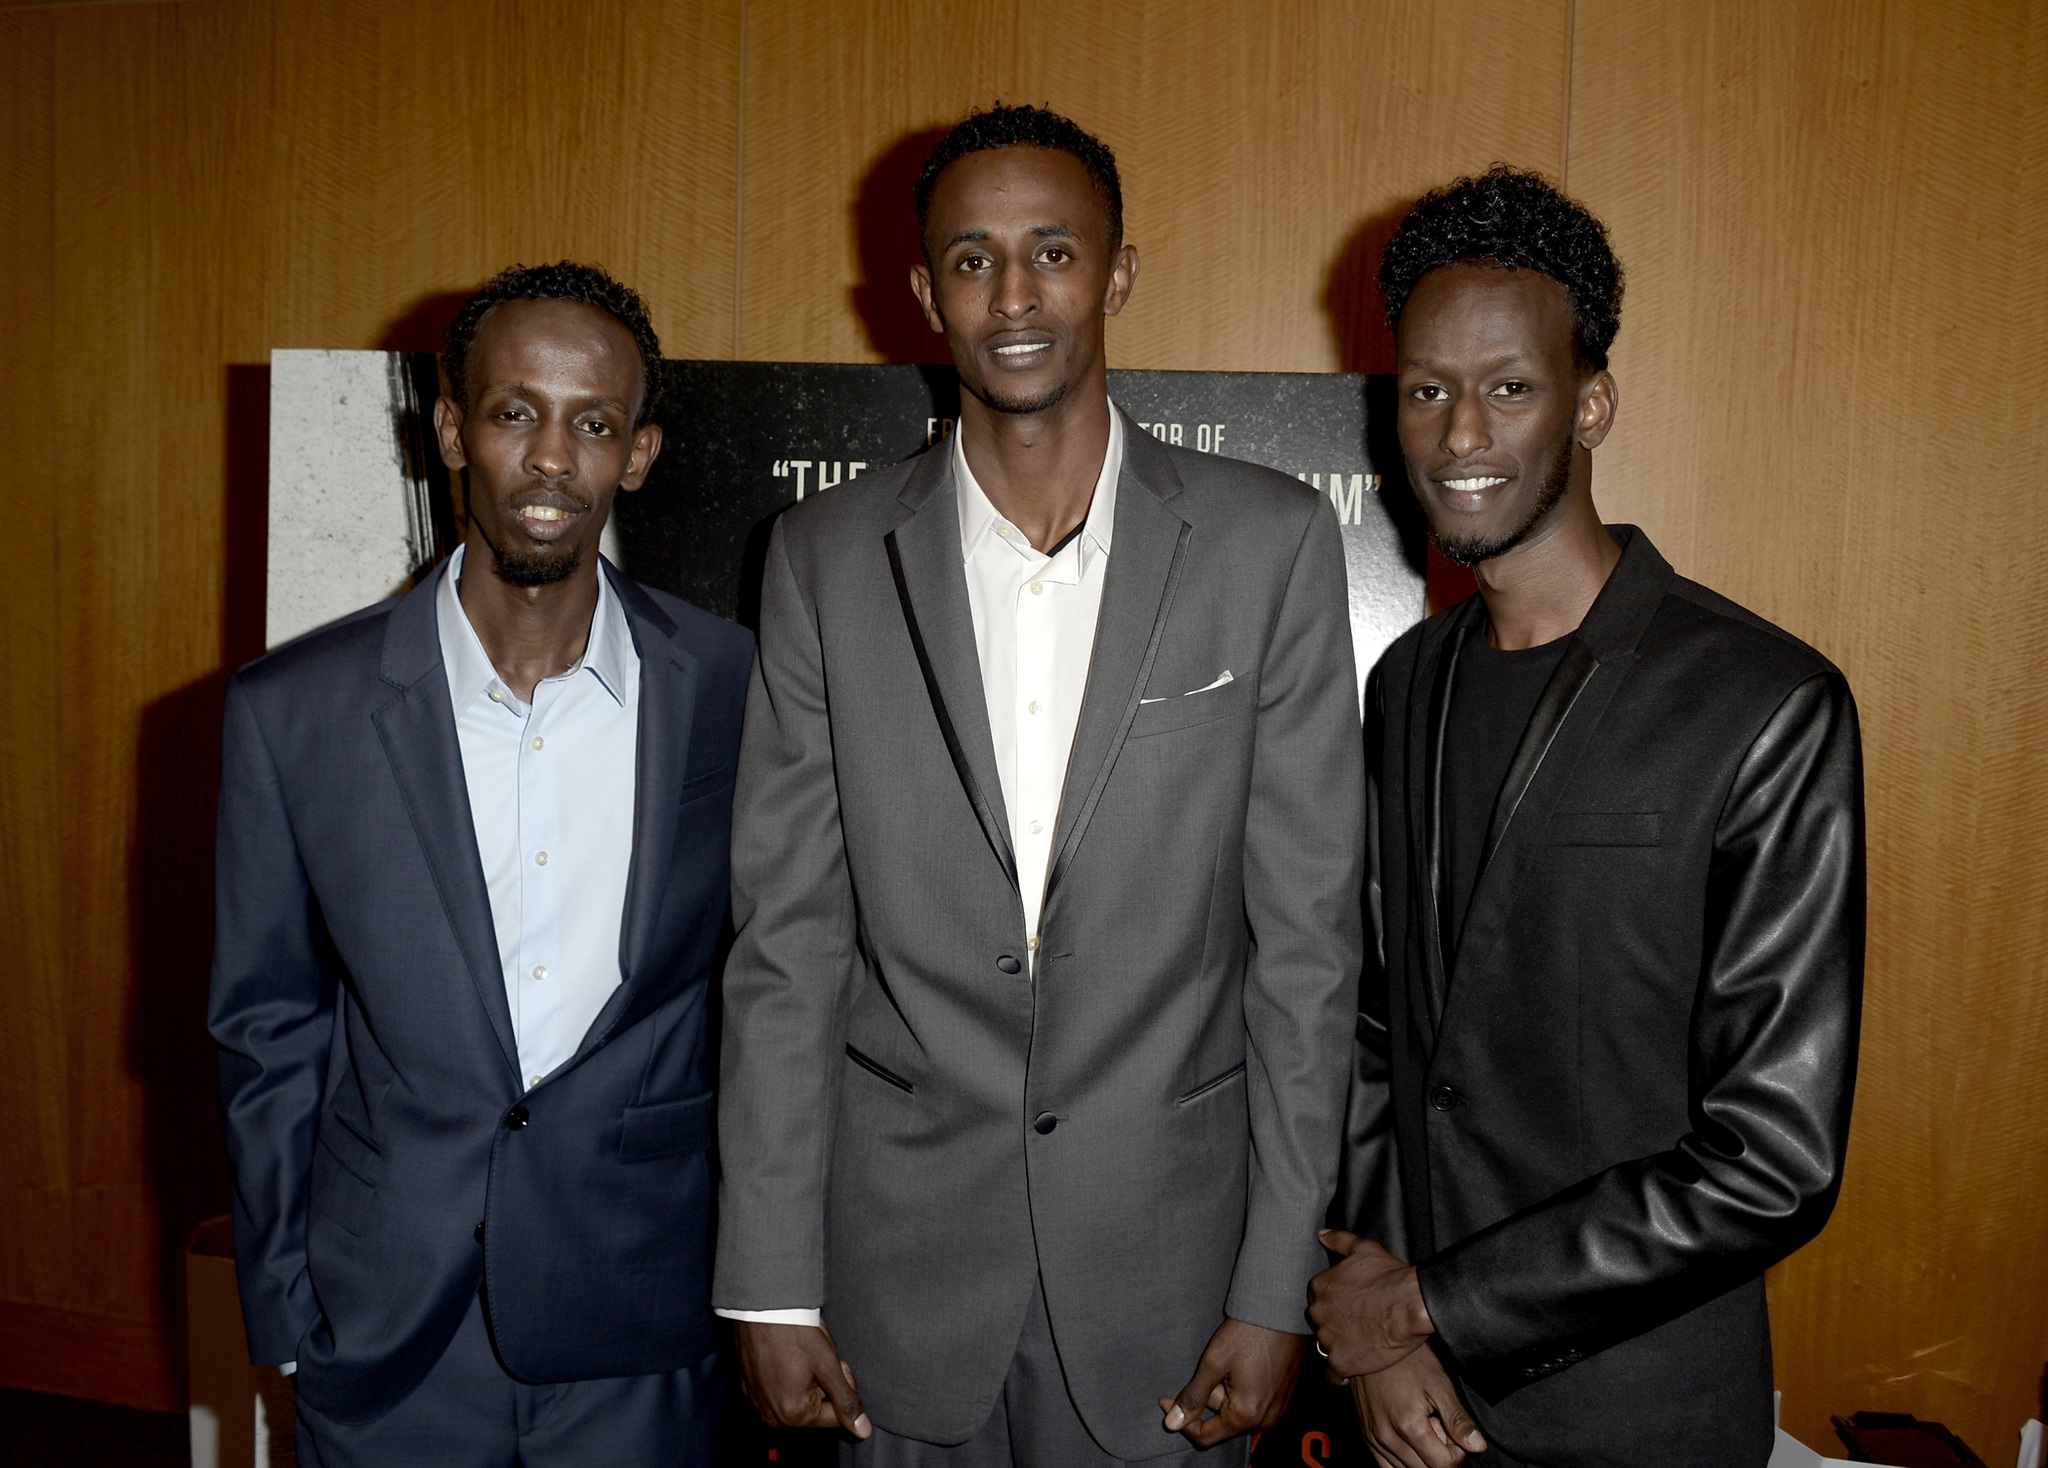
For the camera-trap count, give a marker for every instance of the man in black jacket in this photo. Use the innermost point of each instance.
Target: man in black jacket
(1605, 1066)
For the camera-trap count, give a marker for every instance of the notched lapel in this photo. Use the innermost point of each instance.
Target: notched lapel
(1148, 550)
(931, 586)
(417, 730)
(1436, 668)
(668, 707)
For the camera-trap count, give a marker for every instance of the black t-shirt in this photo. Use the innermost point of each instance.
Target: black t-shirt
(1491, 701)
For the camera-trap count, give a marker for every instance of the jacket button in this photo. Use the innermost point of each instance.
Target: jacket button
(1009, 965)
(1443, 1098)
(1045, 1123)
(515, 1118)
(479, 1233)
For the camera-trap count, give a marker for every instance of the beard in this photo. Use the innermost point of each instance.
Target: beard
(1043, 402)
(1472, 549)
(526, 568)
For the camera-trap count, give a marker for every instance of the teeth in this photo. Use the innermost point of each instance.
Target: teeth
(1468, 485)
(1018, 351)
(543, 512)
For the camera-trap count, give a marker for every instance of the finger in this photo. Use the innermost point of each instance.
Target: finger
(1217, 1398)
(1338, 1241)
(1231, 1420)
(1458, 1423)
(1394, 1443)
(837, 1384)
(1186, 1409)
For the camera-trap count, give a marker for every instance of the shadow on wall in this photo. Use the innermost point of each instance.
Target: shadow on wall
(1358, 316)
(885, 230)
(171, 877)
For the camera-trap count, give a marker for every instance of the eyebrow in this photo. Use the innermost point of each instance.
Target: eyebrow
(1043, 231)
(1506, 359)
(524, 390)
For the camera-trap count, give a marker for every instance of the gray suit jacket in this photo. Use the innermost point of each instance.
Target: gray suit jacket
(914, 1133)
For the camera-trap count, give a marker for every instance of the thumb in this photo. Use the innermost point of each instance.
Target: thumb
(1459, 1424)
(838, 1385)
(1337, 1241)
(1187, 1407)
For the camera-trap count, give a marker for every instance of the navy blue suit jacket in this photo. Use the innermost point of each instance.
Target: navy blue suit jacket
(387, 1154)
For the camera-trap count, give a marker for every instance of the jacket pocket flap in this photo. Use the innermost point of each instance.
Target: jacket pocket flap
(1190, 709)
(1605, 828)
(670, 1129)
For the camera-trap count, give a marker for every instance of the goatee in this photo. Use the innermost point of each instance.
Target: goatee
(1471, 550)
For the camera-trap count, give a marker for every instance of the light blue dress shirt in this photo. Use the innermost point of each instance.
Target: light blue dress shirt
(551, 798)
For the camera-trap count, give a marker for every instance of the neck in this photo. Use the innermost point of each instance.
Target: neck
(528, 632)
(1543, 588)
(1039, 469)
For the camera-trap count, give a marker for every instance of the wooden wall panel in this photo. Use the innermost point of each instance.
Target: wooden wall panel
(1824, 206)
(217, 179)
(1263, 150)
(35, 1196)
(1832, 220)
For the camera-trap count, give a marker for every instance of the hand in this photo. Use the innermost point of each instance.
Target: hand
(794, 1377)
(1368, 1309)
(1246, 1377)
(1411, 1415)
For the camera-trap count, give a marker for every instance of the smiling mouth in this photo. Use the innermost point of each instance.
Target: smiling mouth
(544, 513)
(1474, 484)
(1021, 349)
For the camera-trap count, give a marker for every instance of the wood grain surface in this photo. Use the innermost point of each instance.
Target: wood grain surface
(1831, 214)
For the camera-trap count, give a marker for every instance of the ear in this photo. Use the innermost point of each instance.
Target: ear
(1598, 399)
(921, 287)
(448, 432)
(1123, 274)
(646, 449)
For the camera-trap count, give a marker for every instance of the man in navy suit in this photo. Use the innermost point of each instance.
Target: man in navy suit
(472, 882)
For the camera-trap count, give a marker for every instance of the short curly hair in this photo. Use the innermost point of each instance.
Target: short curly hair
(1028, 127)
(565, 280)
(1516, 219)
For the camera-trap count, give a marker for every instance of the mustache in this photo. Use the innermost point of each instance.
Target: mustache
(547, 496)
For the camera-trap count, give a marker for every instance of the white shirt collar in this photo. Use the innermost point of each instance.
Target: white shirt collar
(980, 522)
(609, 656)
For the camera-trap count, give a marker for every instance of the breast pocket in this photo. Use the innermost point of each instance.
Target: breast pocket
(1191, 710)
(1605, 828)
(668, 1129)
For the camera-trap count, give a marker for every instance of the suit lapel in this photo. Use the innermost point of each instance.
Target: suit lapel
(417, 730)
(931, 586)
(668, 707)
(1148, 548)
(1595, 664)
(1436, 667)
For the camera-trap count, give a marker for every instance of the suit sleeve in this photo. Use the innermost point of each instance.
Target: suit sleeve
(271, 1011)
(1368, 1199)
(1773, 1066)
(1303, 867)
(790, 971)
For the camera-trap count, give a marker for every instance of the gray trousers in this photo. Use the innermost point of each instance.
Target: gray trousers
(468, 1413)
(1034, 1424)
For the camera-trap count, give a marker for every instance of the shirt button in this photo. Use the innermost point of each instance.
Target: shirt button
(1038, 588)
(540, 971)
(532, 1081)
(540, 858)
(1036, 827)
(1032, 945)
(497, 695)
(1031, 707)
(538, 741)
(1005, 531)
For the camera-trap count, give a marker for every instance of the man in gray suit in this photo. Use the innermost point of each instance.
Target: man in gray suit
(1047, 859)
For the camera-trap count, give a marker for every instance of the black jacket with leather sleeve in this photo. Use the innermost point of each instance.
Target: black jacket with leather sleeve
(1626, 1092)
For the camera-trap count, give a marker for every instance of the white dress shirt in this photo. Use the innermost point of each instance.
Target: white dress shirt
(551, 799)
(1034, 634)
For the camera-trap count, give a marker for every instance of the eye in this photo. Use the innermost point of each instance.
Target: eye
(597, 428)
(1512, 389)
(1429, 392)
(975, 261)
(1054, 255)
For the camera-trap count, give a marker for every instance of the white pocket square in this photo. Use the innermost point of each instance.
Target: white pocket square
(1209, 688)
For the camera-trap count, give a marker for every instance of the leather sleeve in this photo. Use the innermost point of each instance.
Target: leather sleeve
(1303, 859)
(1368, 1200)
(1773, 1066)
(790, 972)
(271, 1011)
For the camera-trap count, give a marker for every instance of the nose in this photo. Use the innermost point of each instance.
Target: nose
(548, 453)
(1016, 293)
(1465, 428)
